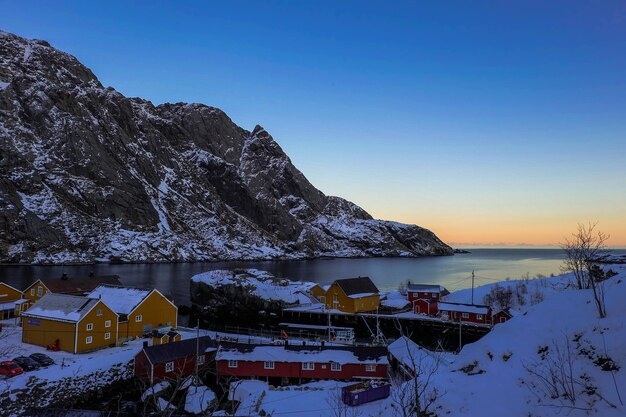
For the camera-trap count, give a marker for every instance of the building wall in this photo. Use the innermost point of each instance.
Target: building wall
(182, 367)
(155, 311)
(337, 299)
(317, 291)
(455, 315)
(8, 293)
(142, 367)
(99, 330)
(250, 369)
(418, 295)
(34, 292)
(42, 332)
(421, 306)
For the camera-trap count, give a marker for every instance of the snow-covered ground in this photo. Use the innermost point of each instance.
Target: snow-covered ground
(260, 283)
(498, 369)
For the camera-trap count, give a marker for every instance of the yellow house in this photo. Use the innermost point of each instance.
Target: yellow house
(71, 323)
(352, 295)
(319, 292)
(10, 301)
(66, 285)
(139, 310)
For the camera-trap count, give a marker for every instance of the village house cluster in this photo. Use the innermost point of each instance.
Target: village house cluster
(80, 315)
(360, 295)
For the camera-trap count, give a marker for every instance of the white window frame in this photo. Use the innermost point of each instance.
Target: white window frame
(370, 367)
(433, 294)
(107, 336)
(232, 363)
(200, 359)
(32, 291)
(479, 316)
(107, 323)
(465, 315)
(138, 318)
(89, 340)
(99, 312)
(39, 291)
(308, 366)
(269, 365)
(89, 327)
(169, 366)
(335, 366)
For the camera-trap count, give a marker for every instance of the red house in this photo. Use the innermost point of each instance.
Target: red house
(470, 313)
(286, 363)
(501, 316)
(174, 360)
(425, 291)
(425, 306)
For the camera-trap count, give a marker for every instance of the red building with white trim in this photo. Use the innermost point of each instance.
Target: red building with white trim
(428, 307)
(470, 313)
(174, 360)
(289, 363)
(425, 291)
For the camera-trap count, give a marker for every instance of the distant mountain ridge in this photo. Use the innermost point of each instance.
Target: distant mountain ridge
(91, 175)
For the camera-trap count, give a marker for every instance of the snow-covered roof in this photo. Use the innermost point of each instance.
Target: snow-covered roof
(425, 288)
(122, 300)
(61, 307)
(413, 356)
(361, 295)
(464, 308)
(317, 354)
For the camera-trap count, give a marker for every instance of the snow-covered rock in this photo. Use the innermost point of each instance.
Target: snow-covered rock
(198, 399)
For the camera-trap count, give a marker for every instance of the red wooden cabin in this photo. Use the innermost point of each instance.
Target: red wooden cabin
(426, 306)
(174, 360)
(301, 362)
(501, 316)
(425, 291)
(470, 313)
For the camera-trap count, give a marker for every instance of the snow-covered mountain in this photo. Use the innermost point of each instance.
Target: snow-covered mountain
(88, 174)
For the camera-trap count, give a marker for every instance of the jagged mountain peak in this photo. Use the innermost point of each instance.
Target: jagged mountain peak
(88, 174)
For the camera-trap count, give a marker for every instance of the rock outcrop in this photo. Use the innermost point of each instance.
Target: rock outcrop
(87, 174)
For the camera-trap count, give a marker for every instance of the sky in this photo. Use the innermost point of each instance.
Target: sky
(491, 123)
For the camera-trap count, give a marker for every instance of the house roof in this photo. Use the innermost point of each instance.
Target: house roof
(464, 308)
(413, 356)
(78, 285)
(427, 288)
(169, 352)
(122, 300)
(61, 307)
(360, 285)
(299, 353)
(506, 311)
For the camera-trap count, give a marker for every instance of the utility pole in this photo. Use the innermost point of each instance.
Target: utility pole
(197, 381)
(460, 334)
(472, 287)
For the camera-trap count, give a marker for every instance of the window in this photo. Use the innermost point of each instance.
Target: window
(99, 312)
(268, 365)
(322, 299)
(502, 319)
(32, 291)
(89, 326)
(335, 297)
(308, 366)
(334, 366)
(232, 364)
(169, 366)
(107, 336)
(434, 295)
(479, 316)
(39, 291)
(138, 318)
(465, 315)
(107, 323)
(88, 340)
(200, 359)
(370, 367)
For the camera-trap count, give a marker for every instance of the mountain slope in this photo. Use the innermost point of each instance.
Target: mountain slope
(88, 174)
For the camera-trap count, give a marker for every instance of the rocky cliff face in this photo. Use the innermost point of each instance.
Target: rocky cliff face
(87, 174)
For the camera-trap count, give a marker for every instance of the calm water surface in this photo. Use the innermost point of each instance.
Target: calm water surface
(451, 271)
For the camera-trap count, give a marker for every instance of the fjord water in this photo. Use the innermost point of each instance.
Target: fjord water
(453, 272)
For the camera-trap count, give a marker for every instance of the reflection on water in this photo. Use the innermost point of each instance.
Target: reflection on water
(450, 271)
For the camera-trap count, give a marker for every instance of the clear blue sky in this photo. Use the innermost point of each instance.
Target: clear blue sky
(488, 122)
